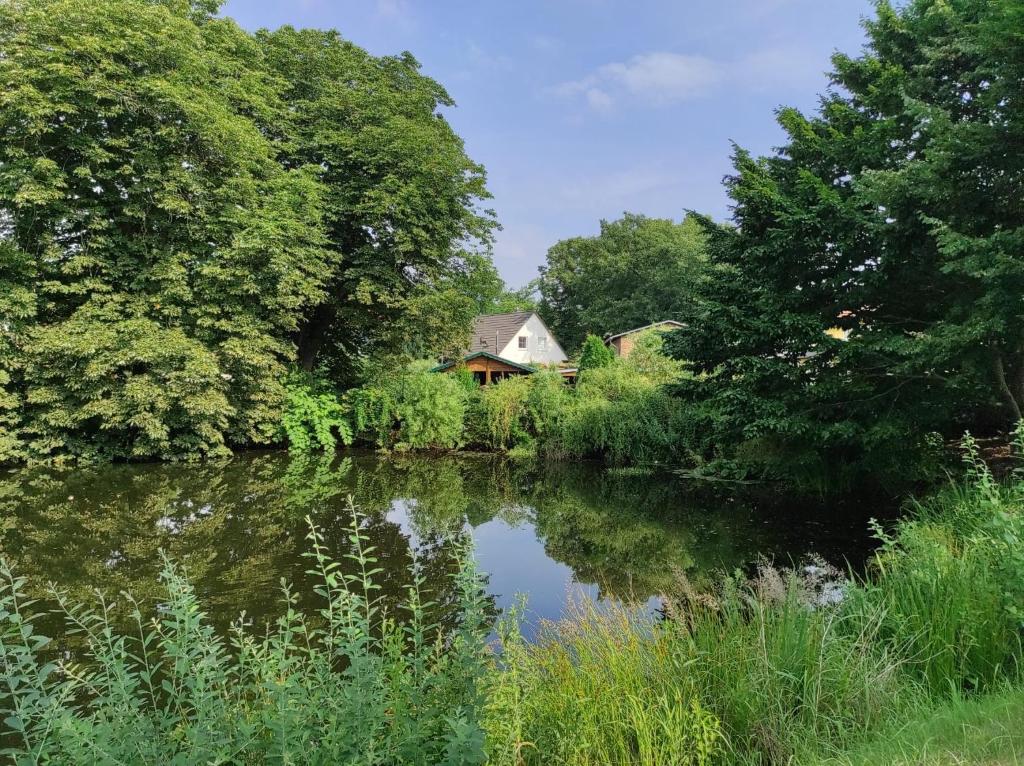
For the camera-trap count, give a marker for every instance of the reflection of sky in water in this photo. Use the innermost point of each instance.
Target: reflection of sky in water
(515, 562)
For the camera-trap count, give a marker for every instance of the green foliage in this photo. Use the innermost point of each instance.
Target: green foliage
(185, 205)
(637, 271)
(313, 417)
(401, 199)
(517, 411)
(414, 409)
(648, 358)
(594, 354)
(357, 683)
(503, 406)
(978, 730)
(616, 412)
(619, 414)
(892, 214)
(166, 253)
(123, 388)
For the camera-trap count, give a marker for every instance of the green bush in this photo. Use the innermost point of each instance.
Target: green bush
(414, 409)
(504, 411)
(595, 354)
(359, 682)
(518, 410)
(618, 414)
(620, 411)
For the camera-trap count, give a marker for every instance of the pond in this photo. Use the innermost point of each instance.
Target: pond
(239, 528)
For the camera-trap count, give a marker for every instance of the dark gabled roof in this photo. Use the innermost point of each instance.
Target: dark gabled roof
(609, 338)
(504, 327)
(488, 355)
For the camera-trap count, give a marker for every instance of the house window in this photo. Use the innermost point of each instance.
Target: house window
(542, 344)
(522, 341)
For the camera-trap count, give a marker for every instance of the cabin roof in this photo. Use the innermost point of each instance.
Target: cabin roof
(486, 354)
(502, 327)
(674, 323)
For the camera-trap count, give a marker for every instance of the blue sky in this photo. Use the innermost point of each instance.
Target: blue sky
(583, 109)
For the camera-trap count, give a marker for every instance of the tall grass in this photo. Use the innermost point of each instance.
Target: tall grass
(949, 582)
(596, 688)
(355, 683)
(749, 674)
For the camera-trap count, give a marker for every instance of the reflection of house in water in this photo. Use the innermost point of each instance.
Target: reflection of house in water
(503, 345)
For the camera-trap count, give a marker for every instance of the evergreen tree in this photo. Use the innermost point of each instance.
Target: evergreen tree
(594, 354)
(894, 214)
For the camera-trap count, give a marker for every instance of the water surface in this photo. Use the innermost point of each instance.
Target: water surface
(240, 527)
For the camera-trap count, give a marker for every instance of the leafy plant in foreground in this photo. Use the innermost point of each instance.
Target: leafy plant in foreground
(358, 682)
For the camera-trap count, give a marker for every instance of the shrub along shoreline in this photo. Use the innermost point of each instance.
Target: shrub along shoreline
(784, 667)
(620, 411)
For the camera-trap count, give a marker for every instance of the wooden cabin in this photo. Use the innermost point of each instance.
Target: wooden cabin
(487, 368)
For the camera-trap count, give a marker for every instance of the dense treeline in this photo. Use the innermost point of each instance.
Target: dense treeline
(186, 209)
(193, 218)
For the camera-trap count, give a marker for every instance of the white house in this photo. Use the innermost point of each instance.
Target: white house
(520, 337)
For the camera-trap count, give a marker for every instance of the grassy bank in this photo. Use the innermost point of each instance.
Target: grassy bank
(985, 729)
(921, 657)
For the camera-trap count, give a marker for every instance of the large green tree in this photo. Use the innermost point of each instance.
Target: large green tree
(186, 209)
(402, 197)
(167, 253)
(638, 270)
(895, 213)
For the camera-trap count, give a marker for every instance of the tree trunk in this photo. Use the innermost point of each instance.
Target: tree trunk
(312, 336)
(1018, 378)
(1005, 392)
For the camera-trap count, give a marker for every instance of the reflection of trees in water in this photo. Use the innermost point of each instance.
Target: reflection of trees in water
(239, 527)
(633, 536)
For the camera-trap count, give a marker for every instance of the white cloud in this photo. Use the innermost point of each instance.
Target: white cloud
(599, 100)
(656, 78)
(661, 78)
(610, 193)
